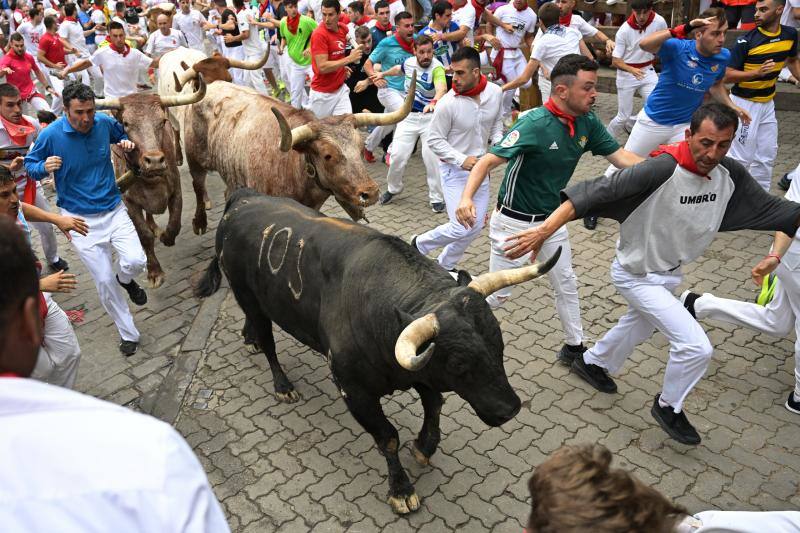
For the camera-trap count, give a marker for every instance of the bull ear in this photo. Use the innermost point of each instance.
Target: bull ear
(463, 278)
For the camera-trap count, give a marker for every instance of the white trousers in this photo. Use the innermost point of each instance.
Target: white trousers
(512, 69)
(328, 104)
(794, 173)
(391, 101)
(254, 78)
(544, 87)
(57, 104)
(562, 277)
(60, 353)
(414, 126)
(452, 236)
(653, 306)
(755, 145)
(37, 103)
(296, 83)
(627, 86)
(777, 318)
(112, 231)
(45, 229)
(647, 135)
(237, 52)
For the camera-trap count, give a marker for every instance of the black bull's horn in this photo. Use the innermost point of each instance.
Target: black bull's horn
(426, 328)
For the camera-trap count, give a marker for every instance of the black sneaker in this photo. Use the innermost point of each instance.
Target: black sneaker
(414, 242)
(675, 424)
(568, 353)
(784, 182)
(135, 292)
(590, 222)
(792, 405)
(59, 265)
(687, 299)
(128, 348)
(594, 375)
(437, 207)
(386, 198)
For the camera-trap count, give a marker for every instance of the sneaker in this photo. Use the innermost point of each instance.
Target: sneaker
(568, 353)
(792, 405)
(386, 198)
(128, 348)
(784, 182)
(594, 375)
(453, 272)
(687, 299)
(437, 207)
(767, 290)
(135, 292)
(675, 424)
(59, 265)
(369, 157)
(414, 242)
(590, 222)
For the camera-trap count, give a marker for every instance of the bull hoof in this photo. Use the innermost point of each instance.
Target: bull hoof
(199, 229)
(404, 504)
(291, 396)
(420, 457)
(167, 239)
(156, 280)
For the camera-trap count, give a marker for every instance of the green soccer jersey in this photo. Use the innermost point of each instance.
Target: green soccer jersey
(542, 157)
(296, 43)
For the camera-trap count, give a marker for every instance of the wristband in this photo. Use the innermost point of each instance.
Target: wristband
(776, 256)
(679, 32)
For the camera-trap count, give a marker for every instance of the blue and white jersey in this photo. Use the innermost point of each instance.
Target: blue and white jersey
(685, 77)
(426, 78)
(443, 50)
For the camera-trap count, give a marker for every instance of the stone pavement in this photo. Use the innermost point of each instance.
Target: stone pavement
(310, 466)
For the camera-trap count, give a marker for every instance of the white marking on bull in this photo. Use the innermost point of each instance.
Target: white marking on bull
(264, 235)
(288, 232)
(296, 293)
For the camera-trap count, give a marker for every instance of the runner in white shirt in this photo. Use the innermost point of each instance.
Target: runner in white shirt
(635, 70)
(72, 31)
(464, 15)
(252, 45)
(550, 45)
(121, 64)
(567, 18)
(190, 22)
(99, 18)
(507, 58)
(164, 39)
(31, 30)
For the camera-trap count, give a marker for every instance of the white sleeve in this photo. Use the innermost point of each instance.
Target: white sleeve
(621, 43)
(539, 49)
(142, 60)
(150, 44)
(466, 18)
(97, 58)
(241, 21)
(496, 131)
(586, 29)
(531, 24)
(441, 124)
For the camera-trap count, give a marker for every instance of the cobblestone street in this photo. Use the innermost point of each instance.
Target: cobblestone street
(309, 465)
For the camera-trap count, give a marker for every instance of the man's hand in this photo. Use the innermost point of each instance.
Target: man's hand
(7, 70)
(361, 86)
(765, 68)
(355, 54)
(699, 24)
(347, 73)
(507, 27)
(637, 73)
(52, 163)
(16, 164)
(528, 241)
(610, 44)
(764, 268)
(307, 52)
(58, 282)
(466, 212)
(76, 224)
(61, 65)
(52, 91)
(428, 108)
(469, 162)
(381, 83)
(744, 116)
(126, 145)
(229, 38)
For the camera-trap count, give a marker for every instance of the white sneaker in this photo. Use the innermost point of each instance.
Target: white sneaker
(611, 2)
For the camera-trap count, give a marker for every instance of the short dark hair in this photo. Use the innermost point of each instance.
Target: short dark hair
(332, 4)
(289, 2)
(46, 117)
(638, 5)
(238, 4)
(114, 25)
(69, 9)
(19, 278)
(358, 7)
(16, 36)
(549, 14)
(5, 176)
(423, 40)
(721, 115)
(50, 22)
(119, 6)
(380, 4)
(569, 66)
(440, 8)
(402, 16)
(714, 13)
(469, 54)
(76, 91)
(362, 32)
(33, 12)
(6, 89)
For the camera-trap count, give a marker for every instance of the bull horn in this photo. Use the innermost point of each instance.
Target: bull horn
(291, 137)
(185, 99)
(250, 65)
(411, 338)
(125, 181)
(108, 103)
(492, 282)
(387, 119)
(183, 78)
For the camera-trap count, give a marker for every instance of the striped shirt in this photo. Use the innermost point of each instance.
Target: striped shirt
(752, 50)
(426, 79)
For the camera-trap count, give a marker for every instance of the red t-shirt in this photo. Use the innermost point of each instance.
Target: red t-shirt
(53, 48)
(325, 41)
(21, 77)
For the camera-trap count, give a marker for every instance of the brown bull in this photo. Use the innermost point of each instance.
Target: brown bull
(150, 182)
(233, 131)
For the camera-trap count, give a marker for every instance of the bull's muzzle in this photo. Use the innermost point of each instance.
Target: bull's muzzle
(153, 161)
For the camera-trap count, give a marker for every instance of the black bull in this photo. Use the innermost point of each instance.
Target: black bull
(360, 297)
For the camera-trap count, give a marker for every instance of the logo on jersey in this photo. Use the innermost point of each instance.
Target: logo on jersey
(511, 139)
(582, 141)
(697, 79)
(699, 199)
(554, 146)
(691, 64)
(714, 68)
(424, 76)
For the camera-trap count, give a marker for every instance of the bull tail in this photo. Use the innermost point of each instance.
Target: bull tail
(209, 282)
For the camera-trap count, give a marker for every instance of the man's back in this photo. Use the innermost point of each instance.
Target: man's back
(71, 462)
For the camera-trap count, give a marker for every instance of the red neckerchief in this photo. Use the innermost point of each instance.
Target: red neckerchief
(18, 132)
(566, 19)
(479, 9)
(293, 22)
(478, 89)
(9, 375)
(384, 29)
(363, 20)
(635, 25)
(344, 19)
(551, 106)
(125, 51)
(408, 46)
(71, 19)
(262, 8)
(681, 153)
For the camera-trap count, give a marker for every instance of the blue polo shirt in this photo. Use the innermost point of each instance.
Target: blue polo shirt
(85, 183)
(685, 77)
(84, 19)
(389, 53)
